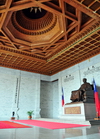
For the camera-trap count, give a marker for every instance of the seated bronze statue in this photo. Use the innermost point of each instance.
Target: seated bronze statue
(80, 94)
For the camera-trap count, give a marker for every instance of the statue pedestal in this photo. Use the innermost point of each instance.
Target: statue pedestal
(79, 111)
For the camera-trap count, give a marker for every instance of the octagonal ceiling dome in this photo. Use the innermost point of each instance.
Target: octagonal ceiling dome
(41, 24)
(31, 25)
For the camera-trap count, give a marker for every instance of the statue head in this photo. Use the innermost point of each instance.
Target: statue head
(84, 80)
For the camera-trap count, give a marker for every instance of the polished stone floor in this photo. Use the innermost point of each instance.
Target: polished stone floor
(88, 132)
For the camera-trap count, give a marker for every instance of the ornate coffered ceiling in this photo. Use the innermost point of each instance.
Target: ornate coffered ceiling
(48, 36)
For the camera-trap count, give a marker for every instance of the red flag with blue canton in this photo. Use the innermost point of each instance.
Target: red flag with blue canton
(63, 97)
(96, 96)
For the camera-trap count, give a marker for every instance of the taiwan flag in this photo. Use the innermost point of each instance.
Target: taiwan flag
(63, 97)
(96, 96)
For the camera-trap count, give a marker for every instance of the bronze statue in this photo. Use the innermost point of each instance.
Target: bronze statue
(78, 95)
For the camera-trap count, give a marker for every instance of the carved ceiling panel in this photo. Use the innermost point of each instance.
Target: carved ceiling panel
(48, 36)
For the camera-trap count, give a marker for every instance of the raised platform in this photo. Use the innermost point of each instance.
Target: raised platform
(79, 111)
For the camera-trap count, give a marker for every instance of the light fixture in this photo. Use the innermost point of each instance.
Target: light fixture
(35, 9)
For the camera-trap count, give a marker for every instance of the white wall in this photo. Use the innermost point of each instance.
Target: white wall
(6, 95)
(19, 92)
(26, 95)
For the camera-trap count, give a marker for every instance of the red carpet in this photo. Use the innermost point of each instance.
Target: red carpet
(8, 124)
(49, 125)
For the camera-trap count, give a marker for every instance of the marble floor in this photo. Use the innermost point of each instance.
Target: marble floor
(88, 132)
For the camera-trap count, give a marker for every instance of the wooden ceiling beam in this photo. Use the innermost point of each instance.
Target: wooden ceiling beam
(82, 8)
(45, 0)
(54, 6)
(8, 3)
(77, 60)
(23, 69)
(88, 23)
(97, 9)
(79, 16)
(25, 5)
(21, 55)
(47, 8)
(92, 3)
